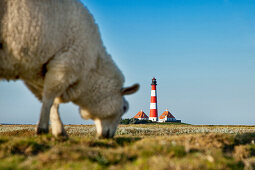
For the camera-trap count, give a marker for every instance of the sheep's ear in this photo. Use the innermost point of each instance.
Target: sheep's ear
(130, 90)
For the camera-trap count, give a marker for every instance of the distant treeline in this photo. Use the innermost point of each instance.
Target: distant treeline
(134, 121)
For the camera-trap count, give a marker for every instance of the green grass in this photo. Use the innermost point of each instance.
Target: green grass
(154, 146)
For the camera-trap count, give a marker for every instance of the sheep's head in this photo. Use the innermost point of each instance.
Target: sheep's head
(107, 112)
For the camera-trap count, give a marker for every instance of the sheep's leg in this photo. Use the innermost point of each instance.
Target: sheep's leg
(56, 123)
(43, 125)
(60, 75)
(52, 89)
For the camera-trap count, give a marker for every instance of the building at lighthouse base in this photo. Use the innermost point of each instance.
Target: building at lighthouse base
(167, 117)
(141, 116)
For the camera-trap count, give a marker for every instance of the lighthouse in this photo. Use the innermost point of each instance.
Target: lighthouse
(153, 105)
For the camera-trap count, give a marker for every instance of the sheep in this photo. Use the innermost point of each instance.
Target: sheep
(55, 48)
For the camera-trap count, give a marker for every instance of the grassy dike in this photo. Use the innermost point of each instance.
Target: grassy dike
(134, 147)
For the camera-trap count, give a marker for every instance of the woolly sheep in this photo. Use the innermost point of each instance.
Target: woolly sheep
(54, 46)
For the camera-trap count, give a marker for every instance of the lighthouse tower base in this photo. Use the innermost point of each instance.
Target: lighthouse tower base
(154, 119)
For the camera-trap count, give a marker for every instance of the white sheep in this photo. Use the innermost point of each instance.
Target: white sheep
(54, 46)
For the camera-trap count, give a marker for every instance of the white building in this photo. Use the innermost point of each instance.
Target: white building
(167, 117)
(141, 116)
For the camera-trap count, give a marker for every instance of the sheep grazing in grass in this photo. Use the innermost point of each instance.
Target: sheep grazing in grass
(54, 46)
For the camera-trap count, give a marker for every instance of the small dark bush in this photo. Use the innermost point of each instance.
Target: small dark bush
(134, 121)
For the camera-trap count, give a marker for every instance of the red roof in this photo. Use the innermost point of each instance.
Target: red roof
(166, 113)
(141, 114)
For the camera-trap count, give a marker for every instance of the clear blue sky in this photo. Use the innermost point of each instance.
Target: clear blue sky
(201, 52)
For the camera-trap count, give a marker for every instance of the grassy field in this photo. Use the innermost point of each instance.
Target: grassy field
(151, 146)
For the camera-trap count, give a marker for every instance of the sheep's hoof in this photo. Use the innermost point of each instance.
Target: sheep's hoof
(41, 131)
(105, 135)
(59, 132)
(61, 135)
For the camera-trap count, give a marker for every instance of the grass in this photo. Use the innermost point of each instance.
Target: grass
(153, 146)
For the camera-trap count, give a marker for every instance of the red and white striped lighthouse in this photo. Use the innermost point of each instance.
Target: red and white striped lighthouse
(153, 105)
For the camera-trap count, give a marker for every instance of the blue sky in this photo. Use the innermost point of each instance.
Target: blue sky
(201, 52)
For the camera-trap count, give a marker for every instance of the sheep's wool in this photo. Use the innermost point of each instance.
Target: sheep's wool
(54, 46)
